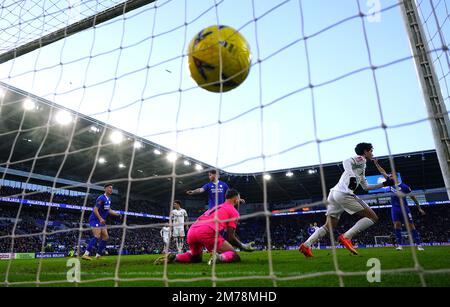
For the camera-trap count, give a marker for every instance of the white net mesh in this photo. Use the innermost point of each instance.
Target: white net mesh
(321, 81)
(24, 21)
(435, 18)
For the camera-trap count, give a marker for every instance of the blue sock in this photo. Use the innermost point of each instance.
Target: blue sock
(416, 236)
(101, 247)
(92, 243)
(398, 236)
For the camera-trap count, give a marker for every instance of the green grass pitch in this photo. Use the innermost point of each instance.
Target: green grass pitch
(286, 264)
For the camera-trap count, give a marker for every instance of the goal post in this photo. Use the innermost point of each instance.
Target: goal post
(382, 240)
(429, 82)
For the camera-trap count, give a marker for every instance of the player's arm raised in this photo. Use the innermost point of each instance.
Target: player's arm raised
(236, 242)
(380, 169)
(416, 202)
(366, 186)
(196, 191)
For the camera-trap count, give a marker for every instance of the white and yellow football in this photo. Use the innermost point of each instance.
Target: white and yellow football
(219, 58)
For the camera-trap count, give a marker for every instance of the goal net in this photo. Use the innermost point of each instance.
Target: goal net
(383, 240)
(100, 92)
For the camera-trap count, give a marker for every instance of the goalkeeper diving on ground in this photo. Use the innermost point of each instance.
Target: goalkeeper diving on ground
(206, 233)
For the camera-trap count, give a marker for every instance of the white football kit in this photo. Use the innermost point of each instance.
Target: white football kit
(165, 234)
(342, 197)
(178, 218)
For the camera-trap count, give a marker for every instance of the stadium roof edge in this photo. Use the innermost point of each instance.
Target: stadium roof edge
(46, 178)
(324, 165)
(97, 122)
(158, 146)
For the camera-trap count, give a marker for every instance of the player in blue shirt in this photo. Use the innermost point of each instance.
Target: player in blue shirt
(97, 221)
(216, 190)
(311, 230)
(396, 210)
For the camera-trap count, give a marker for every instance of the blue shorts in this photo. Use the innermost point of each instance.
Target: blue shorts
(397, 215)
(95, 223)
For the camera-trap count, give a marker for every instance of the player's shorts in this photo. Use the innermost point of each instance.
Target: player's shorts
(166, 240)
(178, 232)
(340, 202)
(203, 236)
(397, 215)
(95, 223)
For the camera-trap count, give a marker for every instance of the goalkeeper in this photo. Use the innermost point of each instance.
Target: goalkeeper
(205, 232)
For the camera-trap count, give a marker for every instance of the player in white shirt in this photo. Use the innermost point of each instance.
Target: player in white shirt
(165, 235)
(179, 217)
(342, 198)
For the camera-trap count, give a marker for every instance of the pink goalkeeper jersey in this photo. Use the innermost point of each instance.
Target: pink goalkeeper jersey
(225, 211)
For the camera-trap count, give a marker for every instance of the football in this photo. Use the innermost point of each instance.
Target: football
(219, 58)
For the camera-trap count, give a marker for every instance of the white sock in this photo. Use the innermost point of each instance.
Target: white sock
(319, 233)
(86, 253)
(360, 226)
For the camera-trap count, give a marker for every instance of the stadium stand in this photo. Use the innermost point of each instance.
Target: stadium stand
(286, 231)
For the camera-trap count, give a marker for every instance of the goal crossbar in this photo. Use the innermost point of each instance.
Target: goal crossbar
(76, 27)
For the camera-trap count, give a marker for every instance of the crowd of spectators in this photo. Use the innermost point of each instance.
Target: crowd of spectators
(62, 227)
(119, 202)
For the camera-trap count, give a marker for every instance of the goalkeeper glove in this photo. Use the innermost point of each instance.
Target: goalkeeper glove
(249, 247)
(389, 182)
(352, 184)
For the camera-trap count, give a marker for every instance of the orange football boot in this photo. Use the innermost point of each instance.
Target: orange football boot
(347, 244)
(305, 250)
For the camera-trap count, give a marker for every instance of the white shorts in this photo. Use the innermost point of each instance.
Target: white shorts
(178, 232)
(166, 240)
(340, 202)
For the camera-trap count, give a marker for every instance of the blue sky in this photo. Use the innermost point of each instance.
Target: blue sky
(147, 102)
